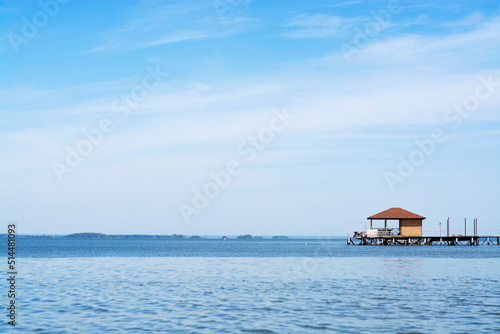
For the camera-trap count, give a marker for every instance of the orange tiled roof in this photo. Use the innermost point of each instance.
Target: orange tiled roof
(396, 213)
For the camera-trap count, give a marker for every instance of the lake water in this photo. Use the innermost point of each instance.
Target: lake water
(252, 286)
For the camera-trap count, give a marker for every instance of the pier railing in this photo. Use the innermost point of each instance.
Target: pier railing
(380, 232)
(389, 231)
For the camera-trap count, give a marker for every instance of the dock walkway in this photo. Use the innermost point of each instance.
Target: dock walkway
(389, 240)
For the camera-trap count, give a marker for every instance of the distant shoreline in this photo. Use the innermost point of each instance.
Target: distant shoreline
(93, 235)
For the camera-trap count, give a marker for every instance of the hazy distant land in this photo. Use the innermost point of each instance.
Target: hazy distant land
(94, 235)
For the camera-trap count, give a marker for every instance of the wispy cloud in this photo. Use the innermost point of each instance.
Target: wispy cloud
(420, 19)
(169, 39)
(473, 19)
(147, 25)
(344, 4)
(319, 25)
(438, 52)
(175, 38)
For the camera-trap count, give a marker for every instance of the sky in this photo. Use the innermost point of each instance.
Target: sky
(248, 117)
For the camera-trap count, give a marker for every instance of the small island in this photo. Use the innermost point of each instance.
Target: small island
(87, 235)
(246, 236)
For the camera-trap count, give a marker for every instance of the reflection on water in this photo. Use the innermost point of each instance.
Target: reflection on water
(402, 266)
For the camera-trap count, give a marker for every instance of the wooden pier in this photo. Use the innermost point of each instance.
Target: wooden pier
(394, 240)
(409, 232)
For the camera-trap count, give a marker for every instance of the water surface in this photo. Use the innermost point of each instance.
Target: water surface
(253, 286)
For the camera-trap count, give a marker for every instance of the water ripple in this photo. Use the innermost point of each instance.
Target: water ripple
(256, 295)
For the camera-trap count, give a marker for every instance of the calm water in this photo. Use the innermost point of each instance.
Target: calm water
(252, 286)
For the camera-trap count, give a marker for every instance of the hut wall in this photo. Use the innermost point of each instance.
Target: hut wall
(410, 227)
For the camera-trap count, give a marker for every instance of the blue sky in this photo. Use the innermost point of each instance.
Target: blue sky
(363, 81)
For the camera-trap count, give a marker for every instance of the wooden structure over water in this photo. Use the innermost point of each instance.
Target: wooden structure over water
(410, 224)
(409, 232)
(417, 241)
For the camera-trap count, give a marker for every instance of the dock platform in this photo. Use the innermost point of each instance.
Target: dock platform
(394, 240)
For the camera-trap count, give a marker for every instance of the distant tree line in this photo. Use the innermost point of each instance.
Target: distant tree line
(92, 235)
